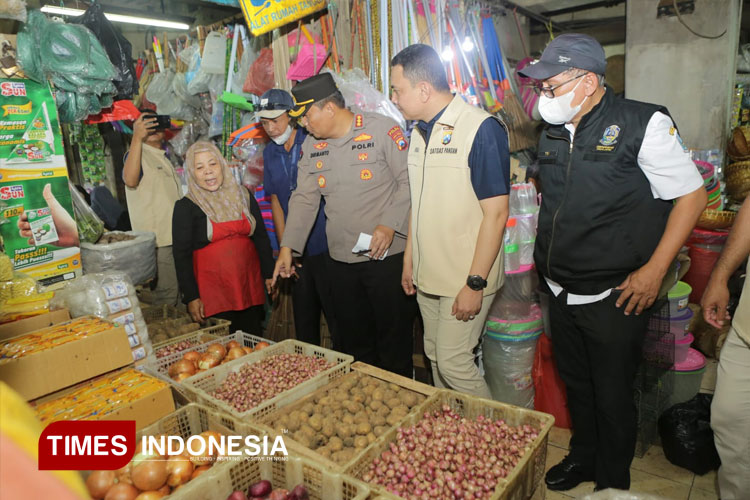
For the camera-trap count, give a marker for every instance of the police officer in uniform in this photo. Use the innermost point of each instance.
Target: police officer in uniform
(620, 196)
(356, 161)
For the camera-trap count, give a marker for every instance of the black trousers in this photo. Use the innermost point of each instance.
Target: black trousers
(311, 295)
(248, 320)
(374, 317)
(598, 350)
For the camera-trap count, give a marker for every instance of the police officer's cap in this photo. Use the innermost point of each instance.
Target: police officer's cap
(571, 50)
(274, 103)
(316, 88)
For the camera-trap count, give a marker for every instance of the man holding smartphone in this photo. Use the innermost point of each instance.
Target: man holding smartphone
(152, 188)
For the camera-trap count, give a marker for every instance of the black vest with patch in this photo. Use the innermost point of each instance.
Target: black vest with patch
(599, 220)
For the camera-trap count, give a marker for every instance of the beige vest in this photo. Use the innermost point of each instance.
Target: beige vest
(741, 321)
(445, 211)
(151, 203)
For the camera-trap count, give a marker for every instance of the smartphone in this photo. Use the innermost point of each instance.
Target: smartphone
(163, 122)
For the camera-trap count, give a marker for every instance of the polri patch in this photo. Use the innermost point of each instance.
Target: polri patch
(318, 164)
(365, 174)
(321, 181)
(397, 135)
(362, 156)
(359, 121)
(362, 137)
(320, 145)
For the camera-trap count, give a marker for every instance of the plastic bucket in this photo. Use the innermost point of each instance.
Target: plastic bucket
(678, 326)
(681, 348)
(687, 377)
(515, 299)
(678, 298)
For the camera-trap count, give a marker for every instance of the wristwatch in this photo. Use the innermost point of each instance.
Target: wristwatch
(476, 282)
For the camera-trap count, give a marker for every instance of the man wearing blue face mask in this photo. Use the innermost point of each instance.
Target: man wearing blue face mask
(620, 197)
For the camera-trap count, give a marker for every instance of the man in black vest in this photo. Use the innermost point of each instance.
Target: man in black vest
(620, 196)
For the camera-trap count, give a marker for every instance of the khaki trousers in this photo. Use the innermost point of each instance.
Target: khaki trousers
(730, 418)
(450, 344)
(167, 291)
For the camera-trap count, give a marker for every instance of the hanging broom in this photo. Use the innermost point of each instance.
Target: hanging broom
(521, 132)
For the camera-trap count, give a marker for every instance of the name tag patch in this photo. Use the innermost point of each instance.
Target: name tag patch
(443, 151)
(316, 154)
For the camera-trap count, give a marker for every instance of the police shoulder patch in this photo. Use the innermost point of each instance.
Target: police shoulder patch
(397, 135)
(320, 145)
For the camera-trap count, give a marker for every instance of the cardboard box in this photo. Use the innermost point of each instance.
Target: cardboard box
(145, 411)
(53, 369)
(16, 328)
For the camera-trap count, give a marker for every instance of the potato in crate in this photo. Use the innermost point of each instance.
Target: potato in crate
(499, 449)
(335, 424)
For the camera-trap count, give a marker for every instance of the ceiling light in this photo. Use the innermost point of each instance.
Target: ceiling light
(118, 18)
(468, 45)
(447, 54)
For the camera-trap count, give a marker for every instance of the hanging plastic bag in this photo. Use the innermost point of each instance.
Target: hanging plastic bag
(358, 91)
(214, 54)
(261, 76)
(117, 47)
(13, 9)
(161, 87)
(686, 435)
(90, 226)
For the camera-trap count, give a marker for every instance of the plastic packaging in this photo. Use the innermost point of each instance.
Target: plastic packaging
(510, 246)
(678, 298)
(74, 60)
(109, 296)
(514, 301)
(136, 257)
(686, 436)
(613, 494)
(359, 92)
(214, 54)
(526, 228)
(191, 132)
(260, 77)
(13, 9)
(508, 361)
(17, 286)
(117, 47)
(523, 199)
(90, 226)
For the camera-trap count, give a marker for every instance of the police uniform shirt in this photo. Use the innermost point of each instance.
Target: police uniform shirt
(364, 179)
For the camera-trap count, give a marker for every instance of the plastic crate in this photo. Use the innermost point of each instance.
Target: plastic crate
(204, 383)
(286, 473)
(522, 481)
(214, 326)
(160, 366)
(287, 405)
(191, 420)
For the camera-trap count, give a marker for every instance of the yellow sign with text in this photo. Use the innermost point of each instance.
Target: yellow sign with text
(263, 16)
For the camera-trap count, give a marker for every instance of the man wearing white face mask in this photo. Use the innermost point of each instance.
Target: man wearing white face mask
(620, 197)
(311, 290)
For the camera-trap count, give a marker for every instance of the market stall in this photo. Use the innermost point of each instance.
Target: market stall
(81, 340)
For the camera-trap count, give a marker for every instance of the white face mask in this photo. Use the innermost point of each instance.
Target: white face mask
(557, 110)
(283, 137)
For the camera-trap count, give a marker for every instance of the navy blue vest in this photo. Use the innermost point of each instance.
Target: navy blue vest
(599, 220)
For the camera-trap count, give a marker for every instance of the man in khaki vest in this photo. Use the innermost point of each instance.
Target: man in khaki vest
(730, 410)
(459, 167)
(152, 189)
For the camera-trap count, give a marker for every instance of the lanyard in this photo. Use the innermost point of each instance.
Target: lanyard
(289, 168)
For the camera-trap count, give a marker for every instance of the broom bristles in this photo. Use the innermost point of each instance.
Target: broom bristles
(521, 133)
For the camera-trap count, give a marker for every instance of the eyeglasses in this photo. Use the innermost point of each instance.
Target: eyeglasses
(549, 92)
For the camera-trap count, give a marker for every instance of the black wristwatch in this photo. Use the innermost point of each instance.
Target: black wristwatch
(476, 282)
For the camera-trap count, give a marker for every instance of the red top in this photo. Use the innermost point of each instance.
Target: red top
(228, 269)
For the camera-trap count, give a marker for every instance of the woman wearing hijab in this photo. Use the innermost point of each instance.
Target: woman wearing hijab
(221, 249)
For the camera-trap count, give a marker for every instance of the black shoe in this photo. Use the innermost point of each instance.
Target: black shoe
(567, 475)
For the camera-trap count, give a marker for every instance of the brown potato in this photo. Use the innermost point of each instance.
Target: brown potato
(363, 428)
(408, 398)
(335, 444)
(316, 422)
(380, 430)
(393, 402)
(360, 442)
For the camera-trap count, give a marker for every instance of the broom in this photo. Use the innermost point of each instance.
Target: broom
(521, 134)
